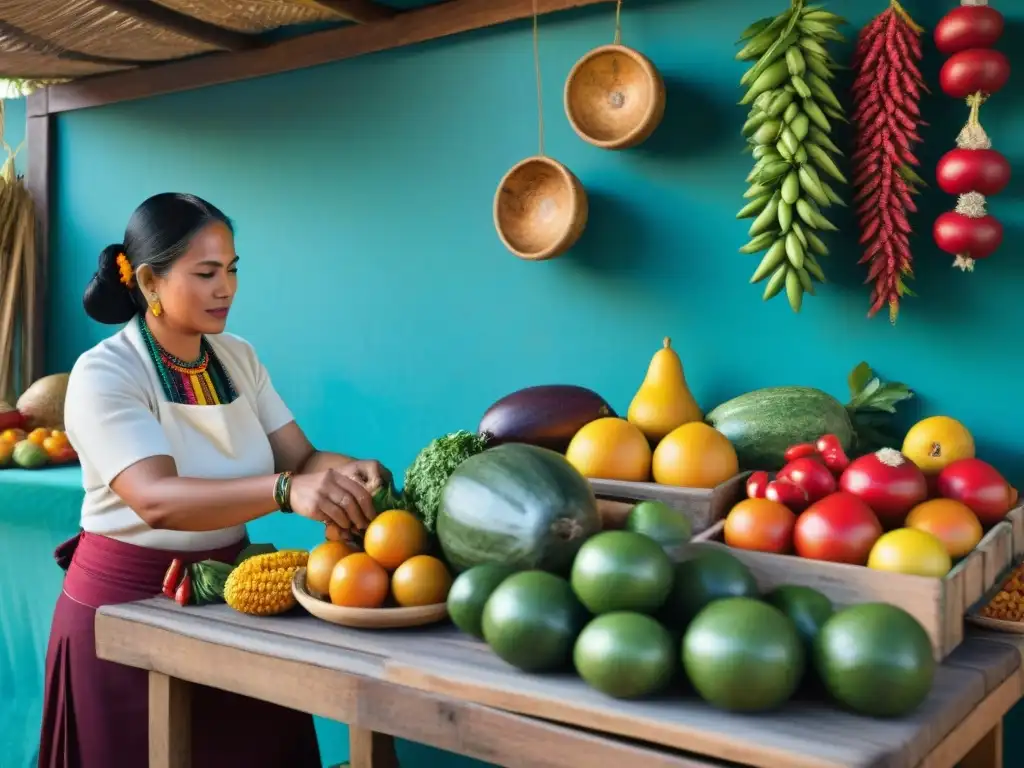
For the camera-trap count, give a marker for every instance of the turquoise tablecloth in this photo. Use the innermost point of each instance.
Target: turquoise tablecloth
(38, 510)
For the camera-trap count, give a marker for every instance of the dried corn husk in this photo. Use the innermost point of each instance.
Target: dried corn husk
(17, 277)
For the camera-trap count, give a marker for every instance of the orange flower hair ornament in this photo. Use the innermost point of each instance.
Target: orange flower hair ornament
(125, 268)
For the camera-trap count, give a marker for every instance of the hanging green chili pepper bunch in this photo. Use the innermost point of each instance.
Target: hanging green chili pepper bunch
(787, 130)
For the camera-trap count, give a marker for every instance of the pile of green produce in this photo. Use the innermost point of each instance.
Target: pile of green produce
(788, 131)
(633, 623)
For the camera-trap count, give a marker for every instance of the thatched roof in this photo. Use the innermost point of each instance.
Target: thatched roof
(70, 39)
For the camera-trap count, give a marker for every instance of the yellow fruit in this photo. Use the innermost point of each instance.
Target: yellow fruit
(37, 435)
(322, 560)
(910, 551)
(421, 580)
(393, 537)
(6, 451)
(694, 455)
(951, 521)
(611, 448)
(664, 400)
(936, 442)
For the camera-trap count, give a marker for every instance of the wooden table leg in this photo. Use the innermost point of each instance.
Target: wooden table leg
(170, 722)
(369, 749)
(987, 753)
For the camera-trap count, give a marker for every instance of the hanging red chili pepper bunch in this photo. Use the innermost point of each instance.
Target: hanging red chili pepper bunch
(886, 90)
(973, 171)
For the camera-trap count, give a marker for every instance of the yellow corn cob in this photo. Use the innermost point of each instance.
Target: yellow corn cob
(262, 585)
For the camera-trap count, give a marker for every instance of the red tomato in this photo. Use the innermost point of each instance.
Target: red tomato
(888, 482)
(761, 525)
(980, 486)
(810, 475)
(975, 70)
(787, 493)
(963, 236)
(985, 171)
(978, 26)
(839, 528)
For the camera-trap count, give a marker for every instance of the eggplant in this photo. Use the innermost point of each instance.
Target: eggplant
(548, 415)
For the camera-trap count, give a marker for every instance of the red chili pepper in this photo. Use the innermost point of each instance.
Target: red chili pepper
(832, 453)
(173, 577)
(756, 484)
(800, 451)
(787, 493)
(183, 594)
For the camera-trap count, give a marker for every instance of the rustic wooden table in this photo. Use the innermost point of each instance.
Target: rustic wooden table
(438, 687)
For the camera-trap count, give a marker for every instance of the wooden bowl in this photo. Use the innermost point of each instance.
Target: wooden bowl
(614, 97)
(540, 209)
(365, 618)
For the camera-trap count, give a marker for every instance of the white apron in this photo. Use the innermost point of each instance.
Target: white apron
(212, 442)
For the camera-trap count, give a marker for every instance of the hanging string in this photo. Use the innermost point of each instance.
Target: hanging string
(536, 67)
(618, 22)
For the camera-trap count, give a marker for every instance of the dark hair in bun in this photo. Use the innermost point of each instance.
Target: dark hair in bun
(159, 233)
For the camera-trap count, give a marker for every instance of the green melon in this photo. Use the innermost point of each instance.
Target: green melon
(709, 574)
(875, 659)
(625, 655)
(667, 526)
(469, 593)
(621, 571)
(519, 505)
(743, 655)
(532, 619)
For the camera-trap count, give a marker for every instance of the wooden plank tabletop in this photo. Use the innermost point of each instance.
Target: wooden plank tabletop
(440, 661)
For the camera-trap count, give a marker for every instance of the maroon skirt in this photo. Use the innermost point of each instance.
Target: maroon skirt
(95, 712)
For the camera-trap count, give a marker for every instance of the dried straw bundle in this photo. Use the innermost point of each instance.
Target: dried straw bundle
(17, 277)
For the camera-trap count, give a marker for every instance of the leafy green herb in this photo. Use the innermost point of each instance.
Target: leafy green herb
(430, 470)
(208, 579)
(872, 403)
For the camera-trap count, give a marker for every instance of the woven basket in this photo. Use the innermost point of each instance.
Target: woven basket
(614, 97)
(540, 209)
(43, 39)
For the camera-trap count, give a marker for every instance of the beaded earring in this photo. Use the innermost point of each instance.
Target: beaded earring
(154, 305)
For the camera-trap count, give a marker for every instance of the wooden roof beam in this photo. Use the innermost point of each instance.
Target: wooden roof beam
(430, 22)
(183, 24)
(359, 11)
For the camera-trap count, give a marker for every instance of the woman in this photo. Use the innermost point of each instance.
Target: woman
(182, 440)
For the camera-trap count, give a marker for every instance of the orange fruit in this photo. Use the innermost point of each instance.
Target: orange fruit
(54, 446)
(694, 455)
(6, 451)
(612, 449)
(393, 537)
(12, 436)
(936, 442)
(320, 565)
(951, 522)
(358, 581)
(761, 525)
(421, 580)
(38, 435)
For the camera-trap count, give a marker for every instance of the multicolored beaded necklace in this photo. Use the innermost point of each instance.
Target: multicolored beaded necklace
(204, 381)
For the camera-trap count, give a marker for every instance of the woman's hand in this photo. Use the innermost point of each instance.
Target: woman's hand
(372, 474)
(334, 496)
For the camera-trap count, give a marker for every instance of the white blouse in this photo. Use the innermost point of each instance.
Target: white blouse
(116, 415)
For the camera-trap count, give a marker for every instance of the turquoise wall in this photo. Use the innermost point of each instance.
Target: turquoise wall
(375, 288)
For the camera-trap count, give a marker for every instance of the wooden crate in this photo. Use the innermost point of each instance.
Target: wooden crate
(704, 506)
(939, 604)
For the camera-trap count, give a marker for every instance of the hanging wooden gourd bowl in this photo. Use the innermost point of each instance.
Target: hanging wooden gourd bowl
(540, 209)
(614, 97)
